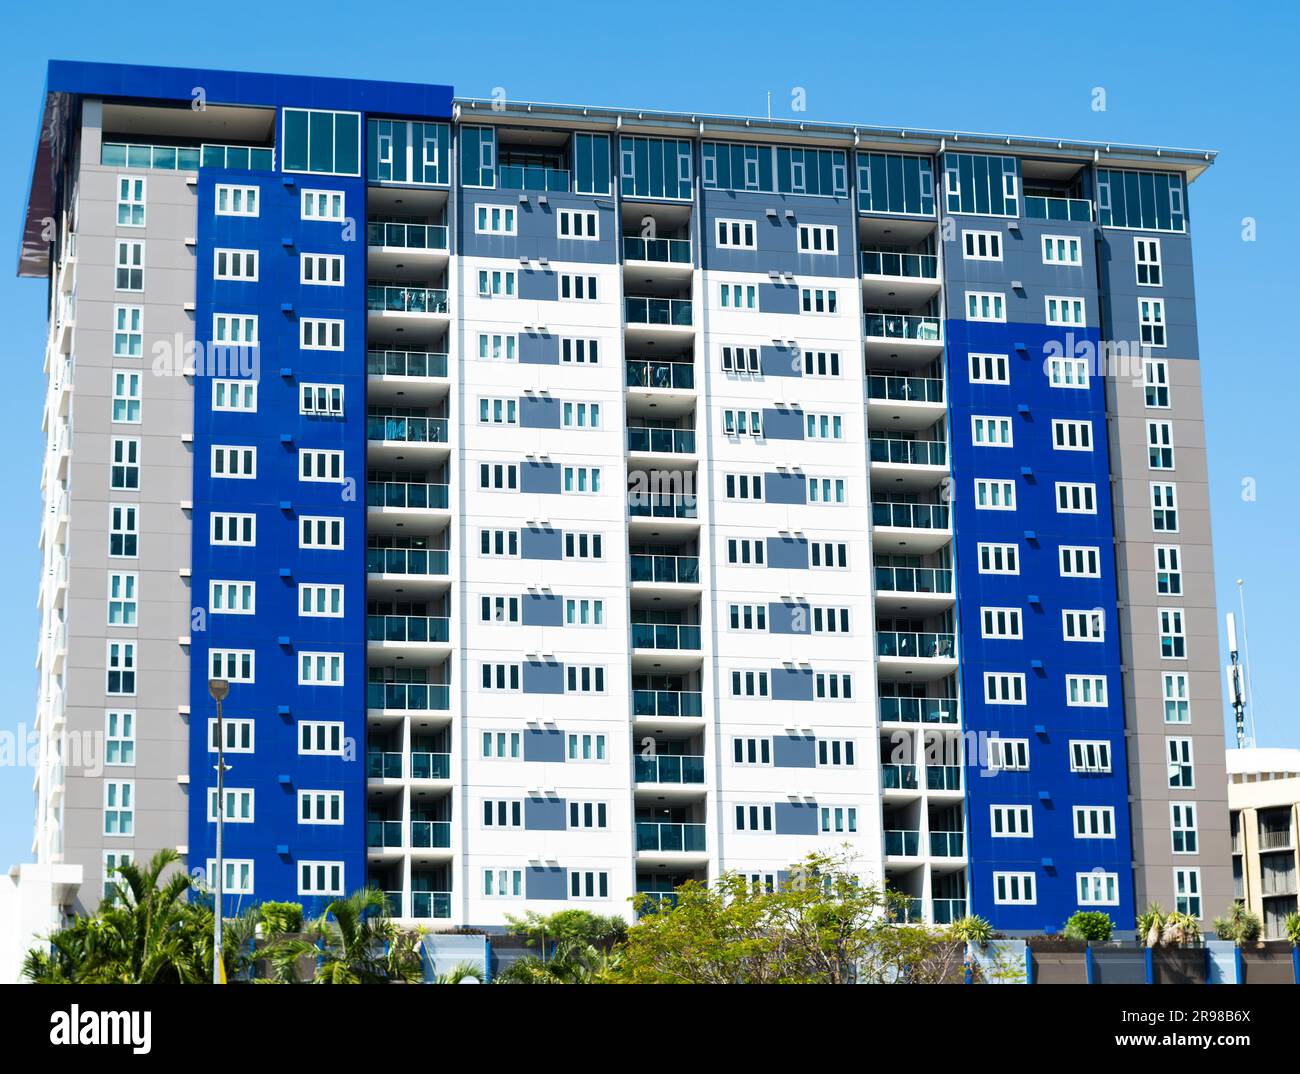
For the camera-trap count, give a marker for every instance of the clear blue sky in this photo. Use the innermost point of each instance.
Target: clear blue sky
(1190, 75)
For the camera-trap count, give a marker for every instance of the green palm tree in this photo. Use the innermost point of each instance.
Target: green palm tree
(359, 944)
(570, 963)
(459, 974)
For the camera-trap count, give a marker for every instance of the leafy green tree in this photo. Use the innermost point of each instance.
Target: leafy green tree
(579, 927)
(1091, 925)
(1239, 925)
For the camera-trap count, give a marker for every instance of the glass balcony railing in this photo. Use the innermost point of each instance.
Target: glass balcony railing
(422, 561)
(902, 843)
(909, 452)
(666, 251)
(678, 569)
(918, 709)
(683, 838)
(430, 833)
(430, 765)
(661, 505)
(911, 516)
(660, 375)
(408, 696)
(947, 844)
(915, 644)
(413, 628)
(383, 833)
(946, 911)
(904, 326)
(898, 777)
(532, 177)
(670, 769)
(187, 158)
(390, 298)
(674, 311)
(654, 901)
(382, 765)
(665, 636)
(393, 902)
(913, 580)
(667, 703)
(915, 266)
(907, 912)
(405, 494)
(1039, 208)
(406, 364)
(661, 441)
(407, 236)
(905, 389)
(430, 904)
(943, 777)
(412, 430)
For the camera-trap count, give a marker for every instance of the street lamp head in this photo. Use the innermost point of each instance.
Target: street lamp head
(218, 689)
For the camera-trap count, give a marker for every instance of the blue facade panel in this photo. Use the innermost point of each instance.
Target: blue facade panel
(543, 677)
(792, 684)
(544, 814)
(795, 818)
(794, 751)
(542, 609)
(538, 543)
(539, 413)
(544, 744)
(787, 618)
(543, 477)
(784, 488)
(783, 423)
(787, 552)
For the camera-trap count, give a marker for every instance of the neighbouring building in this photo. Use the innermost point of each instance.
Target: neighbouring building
(1264, 812)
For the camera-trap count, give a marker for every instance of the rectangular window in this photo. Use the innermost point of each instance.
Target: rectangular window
(990, 431)
(1182, 824)
(985, 306)
(323, 270)
(323, 205)
(233, 665)
(120, 668)
(821, 364)
(502, 745)
(1085, 691)
(1098, 889)
(119, 737)
(1014, 889)
(736, 234)
(500, 677)
(321, 400)
(818, 300)
(119, 807)
(1151, 322)
(583, 546)
(738, 296)
(818, 239)
(234, 395)
(237, 265)
(237, 878)
(1173, 637)
(495, 347)
(1094, 822)
(586, 747)
(129, 266)
(126, 397)
(828, 555)
(1080, 625)
(999, 558)
(744, 486)
(1008, 754)
(322, 738)
(124, 469)
(742, 423)
(232, 529)
(582, 611)
(496, 283)
(326, 143)
(1181, 770)
(1177, 697)
(495, 220)
(320, 532)
(239, 805)
(1076, 498)
(753, 818)
(498, 543)
(838, 819)
(833, 686)
(113, 861)
(1003, 623)
(577, 224)
(1089, 756)
(503, 813)
(234, 329)
(1004, 688)
(580, 416)
(122, 604)
(320, 669)
(579, 351)
(1150, 201)
(1080, 561)
(1155, 383)
(503, 883)
(1169, 571)
(994, 495)
(835, 753)
(1187, 891)
(317, 600)
(588, 815)
(498, 411)
(498, 477)
(736, 359)
(238, 735)
(1062, 250)
(751, 618)
(746, 552)
(1164, 508)
(1147, 262)
(494, 609)
(314, 465)
(320, 878)
(749, 684)
(123, 531)
(320, 807)
(751, 751)
(989, 369)
(1011, 821)
(830, 620)
(231, 200)
(321, 334)
(982, 245)
(1068, 372)
(1064, 311)
(128, 331)
(980, 184)
(588, 884)
(584, 679)
(578, 288)
(1160, 445)
(1071, 435)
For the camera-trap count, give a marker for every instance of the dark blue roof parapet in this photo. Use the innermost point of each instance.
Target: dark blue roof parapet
(68, 80)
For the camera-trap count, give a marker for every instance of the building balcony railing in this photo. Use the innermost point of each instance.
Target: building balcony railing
(532, 177)
(898, 777)
(943, 777)
(670, 311)
(911, 516)
(410, 430)
(667, 703)
(420, 561)
(666, 768)
(1039, 208)
(661, 441)
(408, 696)
(430, 833)
(187, 158)
(909, 452)
(905, 389)
(908, 643)
(901, 843)
(946, 911)
(913, 580)
(672, 569)
(425, 765)
(406, 494)
(412, 628)
(907, 911)
(406, 364)
(651, 902)
(1274, 838)
(947, 844)
(383, 833)
(904, 326)
(383, 765)
(431, 904)
(661, 505)
(682, 838)
(665, 636)
(407, 236)
(916, 266)
(660, 375)
(918, 709)
(391, 298)
(666, 251)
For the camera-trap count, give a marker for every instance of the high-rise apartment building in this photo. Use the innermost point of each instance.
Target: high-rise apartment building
(579, 501)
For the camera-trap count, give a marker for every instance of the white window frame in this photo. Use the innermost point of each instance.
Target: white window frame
(236, 192)
(1070, 245)
(986, 306)
(318, 668)
(1064, 311)
(988, 368)
(235, 266)
(981, 245)
(1014, 889)
(1090, 756)
(321, 267)
(998, 558)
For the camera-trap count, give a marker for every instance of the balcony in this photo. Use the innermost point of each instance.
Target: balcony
(943, 777)
(384, 299)
(383, 835)
(899, 279)
(1075, 209)
(898, 777)
(426, 834)
(426, 765)
(652, 704)
(662, 505)
(172, 158)
(903, 337)
(419, 633)
(405, 378)
(901, 843)
(383, 765)
(670, 769)
(910, 528)
(430, 904)
(946, 911)
(407, 236)
(665, 636)
(394, 363)
(916, 590)
(947, 844)
(904, 404)
(664, 838)
(421, 562)
(394, 439)
(925, 656)
(1274, 838)
(407, 495)
(932, 710)
(933, 453)
(646, 441)
(657, 322)
(533, 177)
(657, 251)
(665, 570)
(679, 376)
(408, 697)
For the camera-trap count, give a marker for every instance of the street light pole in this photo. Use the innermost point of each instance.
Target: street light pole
(218, 689)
